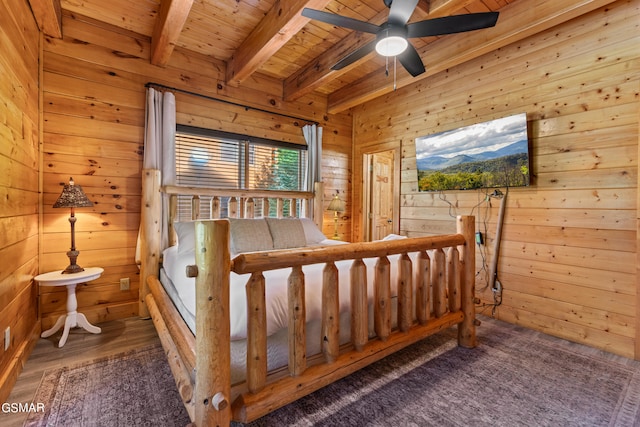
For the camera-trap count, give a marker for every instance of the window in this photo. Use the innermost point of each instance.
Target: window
(208, 158)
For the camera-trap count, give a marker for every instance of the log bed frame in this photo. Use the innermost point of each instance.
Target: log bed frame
(443, 289)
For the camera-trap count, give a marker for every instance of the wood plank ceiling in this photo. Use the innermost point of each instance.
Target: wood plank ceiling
(273, 38)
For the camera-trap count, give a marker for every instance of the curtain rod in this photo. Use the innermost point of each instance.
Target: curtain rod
(224, 101)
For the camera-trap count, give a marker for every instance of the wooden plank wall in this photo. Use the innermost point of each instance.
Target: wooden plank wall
(568, 257)
(94, 99)
(19, 162)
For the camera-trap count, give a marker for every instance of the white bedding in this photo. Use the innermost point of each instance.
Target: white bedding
(277, 344)
(174, 264)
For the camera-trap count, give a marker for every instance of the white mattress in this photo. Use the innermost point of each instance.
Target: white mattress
(181, 289)
(277, 344)
(175, 264)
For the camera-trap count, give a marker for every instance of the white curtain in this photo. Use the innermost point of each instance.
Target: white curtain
(160, 134)
(313, 136)
(159, 146)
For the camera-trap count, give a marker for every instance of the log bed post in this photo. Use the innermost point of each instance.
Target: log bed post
(249, 208)
(232, 207)
(214, 207)
(467, 329)
(297, 322)
(318, 203)
(195, 207)
(359, 311)
(173, 216)
(454, 279)
(213, 354)
(382, 298)
(405, 293)
(423, 288)
(279, 207)
(438, 282)
(256, 333)
(151, 233)
(330, 313)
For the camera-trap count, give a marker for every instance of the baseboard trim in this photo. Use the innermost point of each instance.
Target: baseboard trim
(19, 359)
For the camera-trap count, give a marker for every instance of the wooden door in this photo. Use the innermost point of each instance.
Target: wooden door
(381, 196)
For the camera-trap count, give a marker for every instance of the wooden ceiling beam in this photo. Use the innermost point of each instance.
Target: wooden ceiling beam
(317, 72)
(48, 15)
(516, 22)
(166, 31)
(282, 22)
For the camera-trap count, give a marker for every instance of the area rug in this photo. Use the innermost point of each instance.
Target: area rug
(135, 388)
(515, 377)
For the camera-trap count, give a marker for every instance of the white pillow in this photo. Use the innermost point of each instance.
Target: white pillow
(249, 235)
(286, 233)
(331, 242)
(186, 232)
(312, 233)
(393, 237)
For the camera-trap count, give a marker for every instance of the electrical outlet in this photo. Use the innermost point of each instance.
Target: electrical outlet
(124, 284)
(479, 238)
(7, 338)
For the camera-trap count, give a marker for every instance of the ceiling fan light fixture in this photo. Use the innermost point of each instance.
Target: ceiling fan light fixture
(391, 46)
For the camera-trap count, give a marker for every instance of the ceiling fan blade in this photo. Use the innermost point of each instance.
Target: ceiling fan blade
(340, 21)
(411, 61)
(356, 55)
(452, 24)
(401, 11)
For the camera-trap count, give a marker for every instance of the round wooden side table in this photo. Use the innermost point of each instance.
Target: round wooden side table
(72, 319)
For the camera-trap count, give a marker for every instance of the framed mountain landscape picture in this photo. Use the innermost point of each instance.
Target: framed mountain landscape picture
(482, 155)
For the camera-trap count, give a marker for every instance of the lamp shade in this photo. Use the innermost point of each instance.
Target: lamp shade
(336, 204)
(72, 196)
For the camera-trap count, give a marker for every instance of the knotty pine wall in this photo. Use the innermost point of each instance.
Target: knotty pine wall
(568, 259)
(94, 99)
(19, 162)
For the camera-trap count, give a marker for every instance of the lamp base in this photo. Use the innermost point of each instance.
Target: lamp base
(335, 227)
(72, 267)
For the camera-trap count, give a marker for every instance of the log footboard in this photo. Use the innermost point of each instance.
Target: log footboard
(444, 297)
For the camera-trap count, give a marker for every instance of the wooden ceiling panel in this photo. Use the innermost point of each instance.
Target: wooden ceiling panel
(138, 16)
(208, 30)
(272, 38)
(363, 10)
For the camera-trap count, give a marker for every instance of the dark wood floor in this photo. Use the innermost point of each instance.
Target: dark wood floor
(117, 336)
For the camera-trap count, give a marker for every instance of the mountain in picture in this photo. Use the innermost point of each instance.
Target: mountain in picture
(439, 162)
(489, 154)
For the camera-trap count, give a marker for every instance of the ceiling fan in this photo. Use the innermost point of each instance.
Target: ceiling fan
(391, 37)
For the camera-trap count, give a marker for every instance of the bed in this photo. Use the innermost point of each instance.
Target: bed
(277, 322)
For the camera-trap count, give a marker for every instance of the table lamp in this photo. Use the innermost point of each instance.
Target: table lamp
(72, 197)
(336, 205)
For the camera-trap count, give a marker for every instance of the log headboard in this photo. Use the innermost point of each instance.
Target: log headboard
(242, 204)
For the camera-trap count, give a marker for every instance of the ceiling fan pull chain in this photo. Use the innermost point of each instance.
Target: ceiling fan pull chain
(386, 67)
(394, 73)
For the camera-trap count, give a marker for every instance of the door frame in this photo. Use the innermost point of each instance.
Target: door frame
(367, 193)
